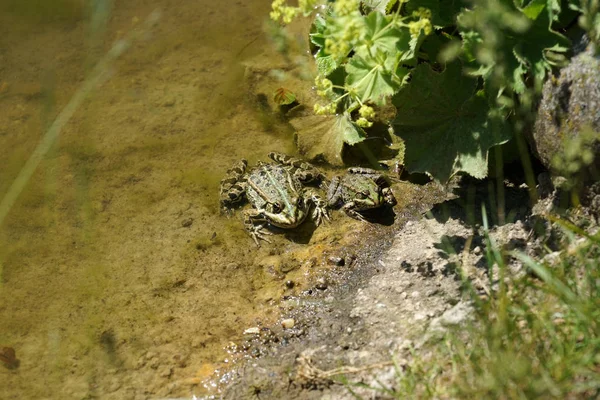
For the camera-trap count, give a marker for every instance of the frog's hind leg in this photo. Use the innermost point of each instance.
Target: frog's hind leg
(334, 192)
(233, 186)
(254, 222)
(304, 171)
(379, 178)
(320, 211)
(388, 196)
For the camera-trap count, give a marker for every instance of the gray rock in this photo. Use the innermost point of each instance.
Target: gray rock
(569, 104)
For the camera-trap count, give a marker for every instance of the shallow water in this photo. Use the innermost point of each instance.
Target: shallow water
(119, 276)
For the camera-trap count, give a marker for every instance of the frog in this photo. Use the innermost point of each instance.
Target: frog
(276, 191)
(358, 190)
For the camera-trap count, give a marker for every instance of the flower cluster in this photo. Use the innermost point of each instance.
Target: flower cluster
(324, 86)
(422, 24)
(307, 6)
(343, 8)
(330, 108)
(367, 114)
(282, 11)
(345, 39)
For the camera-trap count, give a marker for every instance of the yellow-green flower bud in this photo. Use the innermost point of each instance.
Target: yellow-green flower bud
(363, 123)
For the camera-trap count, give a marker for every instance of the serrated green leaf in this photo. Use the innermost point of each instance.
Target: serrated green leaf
(445, 124)
(283, 96)
(326, 65)
(370, 80)
(527, 44)
(323, 137)
(382, 38)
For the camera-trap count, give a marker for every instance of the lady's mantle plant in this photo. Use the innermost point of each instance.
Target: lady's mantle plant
(455, 71)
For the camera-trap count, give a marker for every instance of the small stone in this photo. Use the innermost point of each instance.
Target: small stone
(335, 260)
(420, 317)
(321, 284)
(415, 294)
(432, 292)
(232, 266)
(477, 250)
(288, 323)
(403, 295)
(169, 103)
(186, 223)
(252, 331)
(349, 330)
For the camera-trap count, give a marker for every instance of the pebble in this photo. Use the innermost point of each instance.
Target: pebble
(232, 266)
(169, 102)
(335, 260)
(420, 317)
(186, 223)
(252, 331)
(288, 323)
(321, 284)
(477, 250)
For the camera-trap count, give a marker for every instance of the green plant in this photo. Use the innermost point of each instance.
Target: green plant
(457, 72)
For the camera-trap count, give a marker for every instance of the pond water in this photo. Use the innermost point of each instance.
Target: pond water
(119, 277)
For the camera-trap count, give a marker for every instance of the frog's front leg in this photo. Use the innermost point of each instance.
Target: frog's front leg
(350, 210)
(254, 222)
(304, 171)
(320, 212)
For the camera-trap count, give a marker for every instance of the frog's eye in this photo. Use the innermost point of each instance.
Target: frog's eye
(277, 207)
(300, 202)
(362, 195)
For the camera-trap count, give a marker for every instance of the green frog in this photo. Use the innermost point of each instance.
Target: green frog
(358, 190)
(276, 193)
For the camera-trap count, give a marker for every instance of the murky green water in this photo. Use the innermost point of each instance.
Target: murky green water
(107, 290)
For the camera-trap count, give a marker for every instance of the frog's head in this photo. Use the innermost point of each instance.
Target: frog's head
(368, 195)
(289, 214)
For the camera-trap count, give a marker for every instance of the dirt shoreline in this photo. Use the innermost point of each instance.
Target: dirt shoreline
(403, 290)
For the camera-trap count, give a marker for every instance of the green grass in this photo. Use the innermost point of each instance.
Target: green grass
(536, 337)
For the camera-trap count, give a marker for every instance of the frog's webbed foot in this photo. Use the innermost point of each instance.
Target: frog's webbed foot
(352, 213)
(320, 211)
(254, 223)
(258, 233)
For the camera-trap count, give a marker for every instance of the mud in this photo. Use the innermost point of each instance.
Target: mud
(401, 297)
